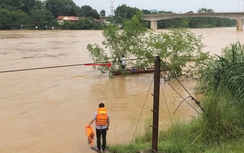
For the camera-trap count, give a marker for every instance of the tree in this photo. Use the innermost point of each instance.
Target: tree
(88, 11)
(6, 18)
(103, 13)
(19, 18)
(81, 24)
(176, 47)
(54, 23)
(38, 5)
(68, 25)
(41, 18)
(94, 14)
(11, 4)
(78, 9)
(27, 5)
(61, 7)
(119, 43)
(146, 11)
(124, 12)
(24, 5)
(202, 10)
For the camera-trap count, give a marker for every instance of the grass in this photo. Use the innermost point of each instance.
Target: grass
(220, 129)
(216, 134)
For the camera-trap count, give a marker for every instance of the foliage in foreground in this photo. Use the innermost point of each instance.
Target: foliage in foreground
(226, 71)
(176, 48)
(224, 79)
(220, 129)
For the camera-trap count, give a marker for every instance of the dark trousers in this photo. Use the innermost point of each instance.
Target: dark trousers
(99, 133)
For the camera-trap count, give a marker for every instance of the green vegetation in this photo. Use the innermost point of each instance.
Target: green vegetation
(177, 47)
(220, 129)
(27, 14)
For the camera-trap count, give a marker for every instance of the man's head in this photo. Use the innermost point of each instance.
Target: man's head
(101, 105)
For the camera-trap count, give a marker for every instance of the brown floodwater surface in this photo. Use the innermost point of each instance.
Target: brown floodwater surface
(46, 110)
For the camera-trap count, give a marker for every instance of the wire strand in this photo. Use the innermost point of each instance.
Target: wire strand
(181, 103)
(40, 68)
(197, 102)
(167, 105)
(184, 99)
(61, 66)
(141, 111)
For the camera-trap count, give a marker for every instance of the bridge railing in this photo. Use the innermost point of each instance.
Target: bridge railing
(162, 16)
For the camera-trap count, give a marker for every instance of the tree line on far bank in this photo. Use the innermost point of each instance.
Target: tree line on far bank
(30, 14)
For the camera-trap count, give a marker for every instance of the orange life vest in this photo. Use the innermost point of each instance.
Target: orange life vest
(90, 134)
(102, 116)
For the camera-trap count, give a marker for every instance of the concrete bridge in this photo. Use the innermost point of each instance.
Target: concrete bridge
(153, 18)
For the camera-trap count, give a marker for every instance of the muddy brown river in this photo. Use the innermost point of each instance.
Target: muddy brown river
(45, 111)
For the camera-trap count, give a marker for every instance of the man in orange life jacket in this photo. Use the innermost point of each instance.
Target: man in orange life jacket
(102, 125)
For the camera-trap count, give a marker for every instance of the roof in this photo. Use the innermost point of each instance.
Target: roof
(75, 18)
(67, 18)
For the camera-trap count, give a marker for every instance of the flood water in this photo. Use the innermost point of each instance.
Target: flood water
(46, 110)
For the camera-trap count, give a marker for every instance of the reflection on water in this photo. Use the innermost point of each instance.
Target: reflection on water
(47, 110)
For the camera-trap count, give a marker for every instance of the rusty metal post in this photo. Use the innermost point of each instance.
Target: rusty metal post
(156, 104)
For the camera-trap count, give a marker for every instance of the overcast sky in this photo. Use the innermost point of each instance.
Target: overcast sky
(177, 6)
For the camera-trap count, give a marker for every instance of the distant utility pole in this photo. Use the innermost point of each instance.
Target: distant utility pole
(111, 8)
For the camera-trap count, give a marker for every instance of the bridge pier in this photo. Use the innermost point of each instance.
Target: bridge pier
(239, 24)
(154, 25)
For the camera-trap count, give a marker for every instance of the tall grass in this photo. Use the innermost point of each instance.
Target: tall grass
(226, 72)
(147, 136)
(220, 121)
(176, 140)
(142, 141)
(225, 76)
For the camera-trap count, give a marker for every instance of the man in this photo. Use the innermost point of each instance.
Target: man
(122, 62)
(102, 125)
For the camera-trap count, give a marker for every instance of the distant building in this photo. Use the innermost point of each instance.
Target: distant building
(62, 19)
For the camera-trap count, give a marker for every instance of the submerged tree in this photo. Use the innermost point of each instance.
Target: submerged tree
(177, 47)
(119, 43)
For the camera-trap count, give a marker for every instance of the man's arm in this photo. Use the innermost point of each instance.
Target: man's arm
(91, 122)
(94, 118)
